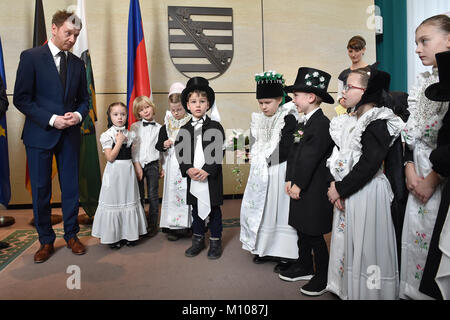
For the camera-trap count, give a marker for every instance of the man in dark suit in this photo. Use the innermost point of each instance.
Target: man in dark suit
(51, 92)
(307, 181)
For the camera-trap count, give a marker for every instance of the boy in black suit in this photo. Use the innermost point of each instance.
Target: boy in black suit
(307, 177)
(199, 150)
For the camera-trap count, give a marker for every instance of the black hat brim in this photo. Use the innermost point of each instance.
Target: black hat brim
(209, 93)
(438, 92)
(325, 96)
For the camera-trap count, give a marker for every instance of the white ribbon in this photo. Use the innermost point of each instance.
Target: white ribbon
(215, 113)
(200, 189)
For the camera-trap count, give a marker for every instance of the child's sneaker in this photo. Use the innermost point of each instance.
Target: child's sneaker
(296, 272)
(315, 287)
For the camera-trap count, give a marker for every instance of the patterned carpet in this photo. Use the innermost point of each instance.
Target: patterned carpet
(21, 240)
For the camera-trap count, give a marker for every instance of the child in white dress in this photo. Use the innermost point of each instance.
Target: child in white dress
(420, 135)
(120, 217)
(363, 253)
(265, 229)
(176, 218)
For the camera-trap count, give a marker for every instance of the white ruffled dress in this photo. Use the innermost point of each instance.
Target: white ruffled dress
(175, 212)
(119, 214)
(363, 253)
(420, 136)
(265, 230)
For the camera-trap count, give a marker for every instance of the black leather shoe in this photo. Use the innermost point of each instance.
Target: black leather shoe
(198, 244)
(116, 245)
(258, 260)
(215, 249)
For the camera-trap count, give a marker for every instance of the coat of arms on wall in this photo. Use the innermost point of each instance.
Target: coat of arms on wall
(201, 40)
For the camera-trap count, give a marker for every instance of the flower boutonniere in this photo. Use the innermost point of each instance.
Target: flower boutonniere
(298, 135)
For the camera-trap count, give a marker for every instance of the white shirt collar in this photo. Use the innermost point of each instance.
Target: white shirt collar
(54, 49)
(195, 118)
(309, 115)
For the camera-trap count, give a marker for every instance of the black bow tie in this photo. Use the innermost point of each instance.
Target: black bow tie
(147, 123)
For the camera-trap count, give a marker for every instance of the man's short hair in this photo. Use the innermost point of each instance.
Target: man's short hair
(62, 16)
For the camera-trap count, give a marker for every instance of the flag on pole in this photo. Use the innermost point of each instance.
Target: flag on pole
(5, 186)
(138, 82)
(89, 175)
(39, 32)
(39, 39)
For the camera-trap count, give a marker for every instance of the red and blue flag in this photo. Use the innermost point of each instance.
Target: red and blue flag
(138, 82)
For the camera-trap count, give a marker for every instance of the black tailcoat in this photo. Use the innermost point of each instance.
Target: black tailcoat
(210, 144)
(162, 136)
(306, 167)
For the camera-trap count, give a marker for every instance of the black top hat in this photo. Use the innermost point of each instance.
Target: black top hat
(314, 81)
(377, 87)
(269, 84)
(197, 83)
(441, 91)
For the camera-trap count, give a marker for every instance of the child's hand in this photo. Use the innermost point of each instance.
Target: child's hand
(139, 171)
(202, 175)
(426, 187)
(294, 193)
(287, 187)
(412, 179)
(340, 204)
(161, 173)
(192, 173)
(120, 138)
(333, 195)
(167, 144)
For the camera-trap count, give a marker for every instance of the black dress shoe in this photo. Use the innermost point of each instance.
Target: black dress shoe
(116, 245)
(131, 243)
(258, 260)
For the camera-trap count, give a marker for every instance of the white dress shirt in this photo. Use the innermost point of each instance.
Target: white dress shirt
(309, 115)
(143, 150)
(55, 51)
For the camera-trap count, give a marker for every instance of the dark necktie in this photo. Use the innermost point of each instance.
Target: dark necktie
(63, 68)
(145, 123)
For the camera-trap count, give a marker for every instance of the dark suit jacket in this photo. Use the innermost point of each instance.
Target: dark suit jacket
(38, 93)
(212, 145)
(281, 152)
(306, 167)
(162, 136)
(3, 99)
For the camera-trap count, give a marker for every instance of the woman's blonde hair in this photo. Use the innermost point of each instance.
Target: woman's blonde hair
(139, 103)
(364, 75)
